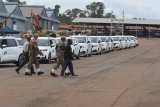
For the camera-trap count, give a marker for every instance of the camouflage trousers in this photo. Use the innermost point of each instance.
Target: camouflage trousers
(59, 62)
(33, 60)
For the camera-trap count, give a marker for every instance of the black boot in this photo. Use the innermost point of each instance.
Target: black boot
(28, 74)
(53, 74)
(17, 70)
(32, 71)
(40, 72)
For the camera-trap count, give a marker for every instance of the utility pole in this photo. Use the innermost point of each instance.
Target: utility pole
(123, 23)
(111, 29)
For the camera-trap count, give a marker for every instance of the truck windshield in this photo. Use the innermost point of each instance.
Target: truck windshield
(94, 40)
(81, 39)
(103, 39)
(43, 42)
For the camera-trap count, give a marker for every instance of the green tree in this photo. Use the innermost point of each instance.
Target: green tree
(109, 15)
(18, 1)
(72, 13)
(63, 18)
(56, 10)
(83, 13)
(96, 9)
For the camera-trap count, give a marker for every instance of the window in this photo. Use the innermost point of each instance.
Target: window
(43, 42)
(81, 39)
(11, 43)
(94, 40)
(4, 42)
(53, 27)
(103, 39)
(14, 25)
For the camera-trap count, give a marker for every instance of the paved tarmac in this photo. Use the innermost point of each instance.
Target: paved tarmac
(125, 78)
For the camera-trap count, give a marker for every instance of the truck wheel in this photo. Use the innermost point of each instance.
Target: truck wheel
(20, 60)
(78, 56)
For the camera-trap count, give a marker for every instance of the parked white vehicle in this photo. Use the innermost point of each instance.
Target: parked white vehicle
(109, 39)
(136, 41)
(11, 50)
(128, 41)
(85, 44)
(105, 44)
(116, 42)
(132, 41)
(123, 42)
(47, 46)
(75, 47)
(96, 44)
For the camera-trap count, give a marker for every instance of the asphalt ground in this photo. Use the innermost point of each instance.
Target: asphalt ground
(125, 78)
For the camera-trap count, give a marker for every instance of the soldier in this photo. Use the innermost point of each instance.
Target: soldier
(25, 55)
(33, 52)
(60, 56)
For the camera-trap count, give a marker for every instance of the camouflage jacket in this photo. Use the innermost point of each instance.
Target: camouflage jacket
(33, 48)
(60, 48)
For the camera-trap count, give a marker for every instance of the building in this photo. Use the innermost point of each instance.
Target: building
(104, 26)
(16, 21)
(44, 21)
(55, 22)
(64, 26)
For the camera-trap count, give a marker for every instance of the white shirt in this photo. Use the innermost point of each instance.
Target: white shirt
(25, 48)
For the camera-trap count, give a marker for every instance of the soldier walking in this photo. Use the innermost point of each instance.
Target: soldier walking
(60, 56)
(33, 52)
(25, 55)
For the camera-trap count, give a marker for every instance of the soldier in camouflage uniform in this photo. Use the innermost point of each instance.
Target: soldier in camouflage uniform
(33, 52)
(25, 54)
(60, 56)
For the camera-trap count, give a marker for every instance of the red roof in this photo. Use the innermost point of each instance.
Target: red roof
(64, 26)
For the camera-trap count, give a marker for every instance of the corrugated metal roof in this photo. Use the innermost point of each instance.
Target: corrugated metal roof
(27, 9)
(4, 14)
(12, 16)
(2, 7)
(48, 18)
(10, 8)
(108, 20)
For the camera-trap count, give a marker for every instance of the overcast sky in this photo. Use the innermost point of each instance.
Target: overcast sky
(148, 9)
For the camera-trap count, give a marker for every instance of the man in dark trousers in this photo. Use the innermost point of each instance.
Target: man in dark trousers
(25, 56)
(68, 59)
(60, 48)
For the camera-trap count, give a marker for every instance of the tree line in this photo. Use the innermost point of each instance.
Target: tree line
(93, 10)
